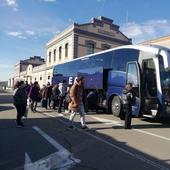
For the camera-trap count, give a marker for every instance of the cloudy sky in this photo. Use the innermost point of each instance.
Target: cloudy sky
(27, 25)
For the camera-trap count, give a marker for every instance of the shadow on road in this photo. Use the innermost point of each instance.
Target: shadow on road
(160, 120)
(96, 150)
(5, 108)
(6, 98)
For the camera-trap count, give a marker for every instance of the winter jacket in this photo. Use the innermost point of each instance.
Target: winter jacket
(34, 93)
(20, 96)
(48, 92)
(55, 93)
(75, 97)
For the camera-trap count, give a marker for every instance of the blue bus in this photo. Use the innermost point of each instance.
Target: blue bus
(147, 67)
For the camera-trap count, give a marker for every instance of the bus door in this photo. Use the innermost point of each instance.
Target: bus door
(133, 76)
(149, 86)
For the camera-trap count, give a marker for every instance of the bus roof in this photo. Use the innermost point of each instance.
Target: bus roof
(146, 48)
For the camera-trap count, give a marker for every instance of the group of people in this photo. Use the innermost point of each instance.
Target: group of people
(72, 98)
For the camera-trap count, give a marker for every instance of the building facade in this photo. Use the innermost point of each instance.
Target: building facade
(76, 41)
(163, 41)
(24, 69)
(83, 39)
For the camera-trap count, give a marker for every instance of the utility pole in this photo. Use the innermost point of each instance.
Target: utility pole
(127, 17)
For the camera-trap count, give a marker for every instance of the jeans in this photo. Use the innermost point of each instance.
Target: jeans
(33, 105)
(81, 113)
(61, 98)
(48, 102)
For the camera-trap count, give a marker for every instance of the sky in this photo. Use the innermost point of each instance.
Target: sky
(27, 25)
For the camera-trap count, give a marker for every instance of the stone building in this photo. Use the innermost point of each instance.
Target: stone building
(24, 69)
(83, 39)
(75, 41)
(163, 41)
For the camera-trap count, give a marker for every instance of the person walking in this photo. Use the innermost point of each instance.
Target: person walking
(63, 90)
(78, 102)
(34, 95)
(43, 95)
(128, 98)
(55, 96)
(20, 101)
(48, 94)
(67, 99)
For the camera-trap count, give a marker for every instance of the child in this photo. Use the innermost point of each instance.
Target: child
(127, 100)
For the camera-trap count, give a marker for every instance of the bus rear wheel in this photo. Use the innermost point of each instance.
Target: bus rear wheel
(116, 106)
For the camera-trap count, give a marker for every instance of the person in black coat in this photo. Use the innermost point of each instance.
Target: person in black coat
(20, 101)
(34, 95)
(48, 94)
(55, 96)
(128, 97)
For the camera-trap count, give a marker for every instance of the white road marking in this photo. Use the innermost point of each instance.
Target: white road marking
(27, 159)
(152, 134)
(62, 159)
(134, 155)
(118, 123)
(137, 156)
(107, 121)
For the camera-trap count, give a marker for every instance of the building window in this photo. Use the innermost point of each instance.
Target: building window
(60, 52)
(105, 46)
(49, 57)
(90, 46)
(35, 79)
(54, 55)
(66, 50)
(40, 78)
(48, 77)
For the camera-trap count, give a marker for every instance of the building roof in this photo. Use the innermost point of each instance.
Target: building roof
(29, 61)
(100, 21)
(160, 39)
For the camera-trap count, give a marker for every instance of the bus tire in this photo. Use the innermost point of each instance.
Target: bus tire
(116, 106)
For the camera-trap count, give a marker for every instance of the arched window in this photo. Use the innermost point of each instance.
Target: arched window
(60, 52)
(66, 50)
(49, 57)
(54, 55)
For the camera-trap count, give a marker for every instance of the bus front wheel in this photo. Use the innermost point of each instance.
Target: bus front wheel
(116, 106)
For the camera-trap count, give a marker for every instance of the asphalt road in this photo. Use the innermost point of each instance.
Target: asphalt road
(47, 143)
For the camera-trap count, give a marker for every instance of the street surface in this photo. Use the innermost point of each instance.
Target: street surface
(47, 143)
